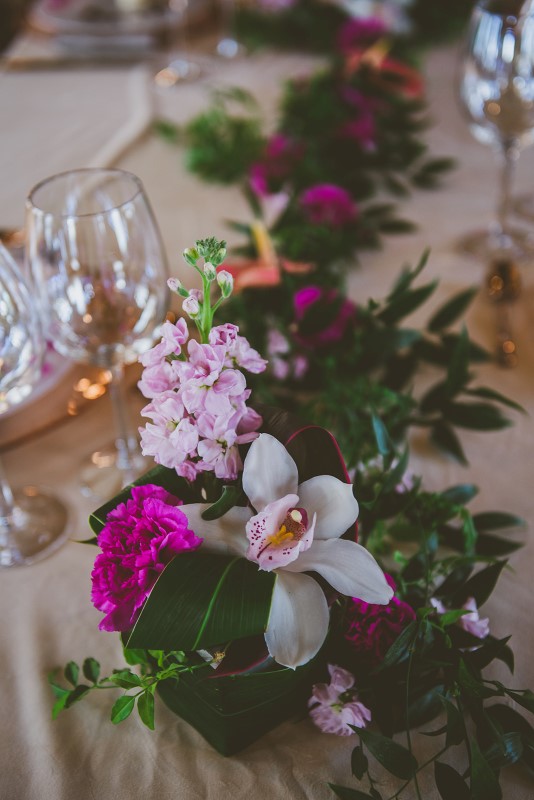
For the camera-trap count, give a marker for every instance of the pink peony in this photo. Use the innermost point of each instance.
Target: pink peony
(331, 313)
(139, 538)
(327, 204)
(335, 707)
(371, 629)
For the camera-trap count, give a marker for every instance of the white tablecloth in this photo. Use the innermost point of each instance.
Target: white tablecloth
(47, 615)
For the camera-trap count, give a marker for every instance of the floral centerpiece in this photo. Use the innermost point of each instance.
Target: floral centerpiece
(220, 566)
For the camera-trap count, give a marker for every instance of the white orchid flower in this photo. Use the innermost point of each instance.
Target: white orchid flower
(291, 530)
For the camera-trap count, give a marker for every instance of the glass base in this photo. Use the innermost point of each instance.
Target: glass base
(37, 528)
(487, 243)
(229, 48)
(177, 71)
(104, 474)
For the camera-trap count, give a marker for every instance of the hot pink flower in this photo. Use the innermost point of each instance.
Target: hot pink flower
(335, 707)
(139, 538)
(371, 629)
(327, 204)
(281, 153)
(360, 33)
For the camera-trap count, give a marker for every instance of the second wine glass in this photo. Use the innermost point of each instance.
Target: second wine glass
(496, 91)
(98, 264)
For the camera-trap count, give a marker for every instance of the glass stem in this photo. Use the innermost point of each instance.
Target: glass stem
(7, 513)
(125, 442)
(509, 157)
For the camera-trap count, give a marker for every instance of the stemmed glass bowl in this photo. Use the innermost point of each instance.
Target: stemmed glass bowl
(33, 523)
(496, 93)
(99, 268)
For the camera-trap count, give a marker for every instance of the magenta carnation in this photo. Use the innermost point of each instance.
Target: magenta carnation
(370, 629)
(330, 312)
(327, 204)
(358, 33)
(139, 538)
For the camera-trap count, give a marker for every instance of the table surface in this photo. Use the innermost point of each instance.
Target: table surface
(46, 608)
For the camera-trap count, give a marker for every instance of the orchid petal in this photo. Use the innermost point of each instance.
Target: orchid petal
(348, 567)
(269, 472)
(298, 622)
(333, 502)
(223, 535)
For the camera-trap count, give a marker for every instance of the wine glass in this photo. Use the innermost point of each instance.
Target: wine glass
(228, 47)
(496, 91)
(33, 523)
(175, 67)
(98, 264)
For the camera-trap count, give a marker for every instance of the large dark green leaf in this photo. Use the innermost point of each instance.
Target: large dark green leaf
(461, 494)
(484, 784)
(458, 371)
(451, 310)
(400, 649)
(395, 758)
(491, 394)
(496, 521)
(508, 750)
(481, 585)
(450, 784)
(204, 599)
(476, 416)
(403, 304)
(349, 794)
(446, 439)
(358, 763)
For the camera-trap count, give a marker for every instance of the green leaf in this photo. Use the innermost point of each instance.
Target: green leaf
(228, 499)
(145, 707)
(122, 708)
(359, 763)
(524, 698)
(407, 277)
(455, 724)
(461, 494)
(60, 703)
(382, 436)
(77, 694)
(451, 310)
(91, 669)
(135, 657)
(481, 585)
(446, 439)
(403, 304)
(450, 783)
(450, 617)
(471, 685)
(203, 599)
(494, 546)
(400, 649)
(458, 371)
(497, 521)
(491, 394)
(476, 416)
(484, 784)
(125, 679)
(72, 672)
(349, 794)
(395, 758)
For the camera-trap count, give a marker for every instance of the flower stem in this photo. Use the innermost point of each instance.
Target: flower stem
(408, 733)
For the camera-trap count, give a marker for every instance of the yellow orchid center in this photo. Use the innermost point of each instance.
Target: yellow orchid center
(294, 526)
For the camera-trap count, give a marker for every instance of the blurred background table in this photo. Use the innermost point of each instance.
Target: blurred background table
(53, 120)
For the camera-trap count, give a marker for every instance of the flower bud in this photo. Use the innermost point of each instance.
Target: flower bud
(191, 256)
(191, 306)
(195, 293)
(226, 283)
(221, 255)
(209, 271)
(177, 286)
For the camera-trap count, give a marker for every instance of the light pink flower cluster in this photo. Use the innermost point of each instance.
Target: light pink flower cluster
(198, 401)
(334, 706)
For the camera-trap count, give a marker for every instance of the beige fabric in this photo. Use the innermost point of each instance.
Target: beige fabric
(47, 615)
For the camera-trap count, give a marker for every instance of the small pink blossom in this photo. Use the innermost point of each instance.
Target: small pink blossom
(313, 300)
(334, 707)
(471, 622)
(360, 33)
(268, 175)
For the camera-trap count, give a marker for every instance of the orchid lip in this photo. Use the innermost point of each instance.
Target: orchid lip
(292, 529)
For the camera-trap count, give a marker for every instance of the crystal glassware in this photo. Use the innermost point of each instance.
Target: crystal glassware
(496, 92)
(174, 66)
(33, 523)
(228, 47)
(98, 265)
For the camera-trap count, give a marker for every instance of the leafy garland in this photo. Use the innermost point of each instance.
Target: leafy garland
(435, 664)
